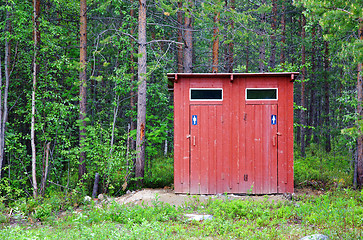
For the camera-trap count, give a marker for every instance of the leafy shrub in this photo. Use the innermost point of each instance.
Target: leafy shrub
(319, 168)
(160, 172)
(11, 191)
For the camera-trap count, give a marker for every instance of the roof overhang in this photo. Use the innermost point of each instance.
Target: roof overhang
(174, 77)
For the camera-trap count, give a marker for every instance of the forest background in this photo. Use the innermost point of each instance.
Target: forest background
(81, 81)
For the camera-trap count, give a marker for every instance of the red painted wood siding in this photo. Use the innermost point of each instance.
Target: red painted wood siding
(225, 156)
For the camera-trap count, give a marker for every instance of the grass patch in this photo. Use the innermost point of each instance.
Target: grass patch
(337, 214)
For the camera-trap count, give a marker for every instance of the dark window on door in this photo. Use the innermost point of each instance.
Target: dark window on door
(261, 94)
(206, 94)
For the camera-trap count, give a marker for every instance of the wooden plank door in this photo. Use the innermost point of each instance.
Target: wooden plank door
(205, 123)
(261, 149)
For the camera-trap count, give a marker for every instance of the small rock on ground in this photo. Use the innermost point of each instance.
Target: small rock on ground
(198, 217)
(315, 237)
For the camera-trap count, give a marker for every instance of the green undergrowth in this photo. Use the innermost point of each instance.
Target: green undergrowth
(43, 209)
(337, 214)
(159, 172)
(319, 169)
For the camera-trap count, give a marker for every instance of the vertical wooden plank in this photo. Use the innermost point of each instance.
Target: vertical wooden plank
(206, 150)
(182, 130)
(242, 136)
(259, 127)
(177, 138)
(249, 174)
(282, 140)
(265, 147)
(195, 151)
(185, 165)
(290, 136)
(219, 149)
(227, 144)
(181, 144)
(273, 165)
(234, 128)
(213, 143)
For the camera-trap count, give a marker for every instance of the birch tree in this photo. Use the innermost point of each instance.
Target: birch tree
(36, 38)
(4, 101)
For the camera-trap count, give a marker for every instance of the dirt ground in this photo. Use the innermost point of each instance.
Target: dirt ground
(167, 195)
(147, 196)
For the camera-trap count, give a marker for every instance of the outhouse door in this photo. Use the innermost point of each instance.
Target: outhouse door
(261, 148)
(205, 130)
(257, 168)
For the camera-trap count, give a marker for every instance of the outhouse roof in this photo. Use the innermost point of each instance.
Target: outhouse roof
(173, 77)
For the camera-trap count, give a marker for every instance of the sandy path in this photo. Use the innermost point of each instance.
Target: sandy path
(147, 196)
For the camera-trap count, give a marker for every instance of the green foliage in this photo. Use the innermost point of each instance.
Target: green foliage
(45, 209)
(11, 190)
(109, 161)
(158, 132)
(160, 172)
(337, 214)
(323, 170)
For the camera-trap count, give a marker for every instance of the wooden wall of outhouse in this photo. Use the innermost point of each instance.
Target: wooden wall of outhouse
(233, 133)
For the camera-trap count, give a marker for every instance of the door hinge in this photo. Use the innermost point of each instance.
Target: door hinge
(245, 116)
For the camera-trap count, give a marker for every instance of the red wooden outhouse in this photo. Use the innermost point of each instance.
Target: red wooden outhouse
(233, 133)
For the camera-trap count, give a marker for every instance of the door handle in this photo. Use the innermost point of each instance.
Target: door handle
(193, 140)
(274, 141)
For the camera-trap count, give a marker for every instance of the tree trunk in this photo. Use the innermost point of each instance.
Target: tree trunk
(231, 44)
(4, 105)
(215, 51)
(46, 169)
(272, 62)
(141, 95)
(262, 50)
(95, 185)
(82, 88)
(180, 37)
(360, 114)
(247, 54)
(132, 79)
(283, 35)
(326, 98)
(313, 104)
(36, 38)
(188, 41)
(229, 50)
(302, 96)
(261, 62)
